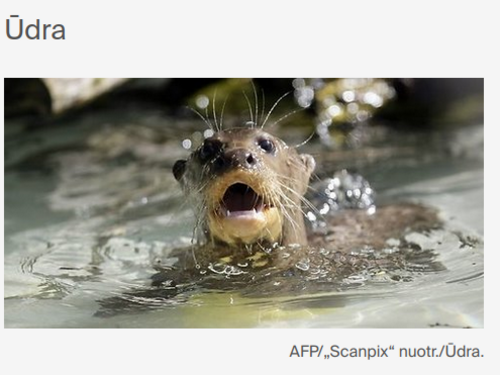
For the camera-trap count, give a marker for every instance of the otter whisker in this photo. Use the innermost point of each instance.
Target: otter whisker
(222, 112)
(205, 120)
(256, 102)
(284, 208)
(263, 104)
(290, 205)
(313, 133)
(249, 107)
(286, 215)
(293, 205)
(302, 199)
(214, 128)
(273, 107)
(285, 117)
(217, 126)
(294, 224)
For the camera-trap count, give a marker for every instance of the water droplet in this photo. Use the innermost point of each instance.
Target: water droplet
(224, 269)
(208, 133)
(187, 143)
(303, 264)
(348, 96)
(202, 101)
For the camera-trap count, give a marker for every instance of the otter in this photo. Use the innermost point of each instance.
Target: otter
(247, 189)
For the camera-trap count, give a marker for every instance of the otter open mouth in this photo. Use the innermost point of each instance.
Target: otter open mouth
(240, 200)
(242, 211)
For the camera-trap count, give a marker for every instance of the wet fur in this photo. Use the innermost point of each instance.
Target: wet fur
(282, 178)
(302, 261)
(287, 182)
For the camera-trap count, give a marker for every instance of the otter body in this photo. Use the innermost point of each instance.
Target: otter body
(247, 188)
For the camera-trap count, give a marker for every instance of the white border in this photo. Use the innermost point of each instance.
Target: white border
(264, 39)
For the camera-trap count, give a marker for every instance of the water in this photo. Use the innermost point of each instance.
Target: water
(91, 208)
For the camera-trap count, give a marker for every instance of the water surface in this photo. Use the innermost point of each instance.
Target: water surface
(90, 207)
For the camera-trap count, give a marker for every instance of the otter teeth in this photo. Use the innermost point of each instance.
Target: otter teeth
(241, 201)
(251, 212)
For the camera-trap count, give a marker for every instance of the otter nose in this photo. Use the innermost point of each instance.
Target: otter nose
(236, 158)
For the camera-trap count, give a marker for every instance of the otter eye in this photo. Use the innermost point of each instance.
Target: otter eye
(266, 144)
(208, 150)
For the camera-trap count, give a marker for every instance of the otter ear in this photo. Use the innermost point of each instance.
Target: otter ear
(309, 163)
(179, 169)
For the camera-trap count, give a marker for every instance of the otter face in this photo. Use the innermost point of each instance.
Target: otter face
(247, 187)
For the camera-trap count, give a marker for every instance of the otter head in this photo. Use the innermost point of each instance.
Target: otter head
(247, 187)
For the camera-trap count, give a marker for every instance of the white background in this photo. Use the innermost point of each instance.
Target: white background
(310, 38)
